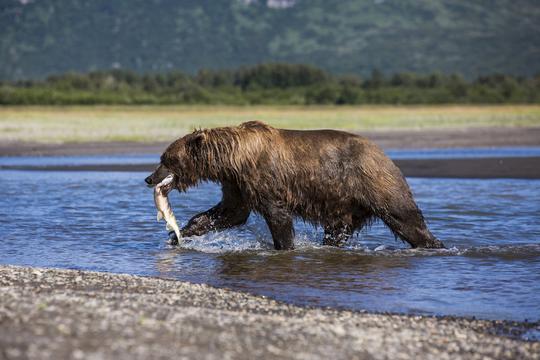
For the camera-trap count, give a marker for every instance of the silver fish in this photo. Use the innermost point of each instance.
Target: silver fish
(164, 210)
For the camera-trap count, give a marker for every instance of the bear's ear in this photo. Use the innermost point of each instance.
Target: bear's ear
(196, 139)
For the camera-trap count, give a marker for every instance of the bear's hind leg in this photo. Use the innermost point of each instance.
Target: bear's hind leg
(337, 234)
(408, 224)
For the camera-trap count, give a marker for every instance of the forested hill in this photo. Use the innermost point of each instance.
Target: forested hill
(470, 37)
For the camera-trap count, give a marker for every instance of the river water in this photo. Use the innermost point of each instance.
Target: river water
(105, 221)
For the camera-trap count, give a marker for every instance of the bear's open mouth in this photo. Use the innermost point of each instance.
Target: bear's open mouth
(166, 184)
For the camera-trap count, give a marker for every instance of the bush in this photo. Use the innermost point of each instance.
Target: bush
(283, 84)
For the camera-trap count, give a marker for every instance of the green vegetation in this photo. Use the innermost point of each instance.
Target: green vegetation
(472, 38)
(267, 84)
(60, 124)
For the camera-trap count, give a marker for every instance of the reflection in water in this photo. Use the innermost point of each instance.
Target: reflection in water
(106, 222)
(324, 268)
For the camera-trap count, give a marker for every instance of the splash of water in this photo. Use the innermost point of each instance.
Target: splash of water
(255, 237)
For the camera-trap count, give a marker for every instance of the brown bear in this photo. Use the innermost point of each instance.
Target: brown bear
(330, 178)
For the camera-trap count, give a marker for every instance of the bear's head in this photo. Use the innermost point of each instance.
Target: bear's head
(183, 160)
(213, 154)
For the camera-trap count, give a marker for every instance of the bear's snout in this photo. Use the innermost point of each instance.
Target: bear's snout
(157, 176)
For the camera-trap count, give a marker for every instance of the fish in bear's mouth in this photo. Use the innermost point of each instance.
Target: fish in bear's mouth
(166, 184)
(163, 206)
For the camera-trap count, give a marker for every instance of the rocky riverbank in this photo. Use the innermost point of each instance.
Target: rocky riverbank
(57, 314)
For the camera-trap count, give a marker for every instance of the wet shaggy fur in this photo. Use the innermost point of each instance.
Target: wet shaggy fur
(329, 178)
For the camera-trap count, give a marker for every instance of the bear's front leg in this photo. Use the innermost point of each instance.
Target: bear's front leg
(201, 223)
(337, 235)
(219, 217)
(230, 211)
(280, 223)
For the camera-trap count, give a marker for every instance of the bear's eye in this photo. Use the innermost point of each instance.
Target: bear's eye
(166, 161)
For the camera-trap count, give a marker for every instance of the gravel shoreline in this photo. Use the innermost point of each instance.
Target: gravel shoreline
(388, 139)
(477, 168)
(56, 314)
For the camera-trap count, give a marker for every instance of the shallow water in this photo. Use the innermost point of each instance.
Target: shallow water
(106, 222)
(461, 153)
(154, 158)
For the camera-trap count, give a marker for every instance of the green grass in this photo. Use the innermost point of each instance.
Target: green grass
(163, 123)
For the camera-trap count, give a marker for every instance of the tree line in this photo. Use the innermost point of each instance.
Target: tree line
(268, 84)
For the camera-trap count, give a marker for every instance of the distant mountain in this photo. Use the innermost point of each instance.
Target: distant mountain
(471, 37)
